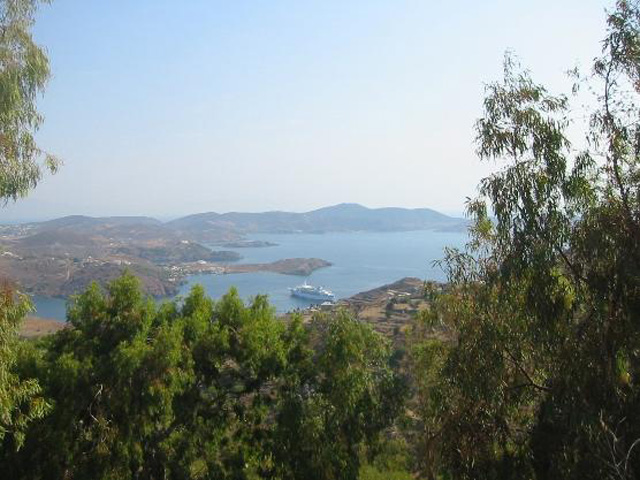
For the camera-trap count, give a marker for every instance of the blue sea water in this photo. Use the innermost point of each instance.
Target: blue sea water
(361, 261)
(49, 307)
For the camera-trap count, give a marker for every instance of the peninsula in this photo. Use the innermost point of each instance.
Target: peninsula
(61, 257)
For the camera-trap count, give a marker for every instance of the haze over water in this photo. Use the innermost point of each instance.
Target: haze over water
(361, 261)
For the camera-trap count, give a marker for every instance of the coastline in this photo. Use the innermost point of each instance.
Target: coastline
(387, 308)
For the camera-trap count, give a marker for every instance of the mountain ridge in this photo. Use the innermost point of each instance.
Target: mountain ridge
(219, 228)
(64, 255)
(343, 217)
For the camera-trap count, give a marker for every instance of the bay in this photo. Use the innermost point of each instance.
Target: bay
(361, 261)
(50, 307)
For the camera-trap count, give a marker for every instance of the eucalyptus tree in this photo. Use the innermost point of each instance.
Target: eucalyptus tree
(539, 378)
(21, 401)
(24, 71)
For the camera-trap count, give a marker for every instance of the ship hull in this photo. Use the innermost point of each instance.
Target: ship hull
(312, 296)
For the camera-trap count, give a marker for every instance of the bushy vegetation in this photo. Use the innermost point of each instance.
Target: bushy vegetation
(525, 365)
(20, 399)
(202, 389)
(24, 72)
(539, 378)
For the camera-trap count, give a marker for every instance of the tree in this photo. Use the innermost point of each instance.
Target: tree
(202, 389)
(142, 392)
(20, 399)
(338, 396)
(539, 378)
(24, 71)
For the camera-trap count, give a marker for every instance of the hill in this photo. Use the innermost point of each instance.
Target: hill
(232, 227)
(346, 217)
(62, 256)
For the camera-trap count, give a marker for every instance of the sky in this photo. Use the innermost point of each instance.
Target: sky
(170, 108)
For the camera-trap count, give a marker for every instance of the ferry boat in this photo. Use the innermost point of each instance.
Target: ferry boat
(309, 292)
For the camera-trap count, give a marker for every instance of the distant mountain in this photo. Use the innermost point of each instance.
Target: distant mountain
(62, 256)
(84, 222)
(217, 228)
(120, 228)
(349, 216)
(339, 218)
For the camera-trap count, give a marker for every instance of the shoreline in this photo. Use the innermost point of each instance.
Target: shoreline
(371, 305)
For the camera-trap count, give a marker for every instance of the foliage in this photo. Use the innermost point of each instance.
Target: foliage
(202, 389)
(539, 378)
(392, 462)
(24, 71)
(20, 399)
(343, 380)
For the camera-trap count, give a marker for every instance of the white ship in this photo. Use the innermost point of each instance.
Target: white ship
(309, 292)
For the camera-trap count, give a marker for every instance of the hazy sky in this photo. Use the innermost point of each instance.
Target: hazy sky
(167, 108)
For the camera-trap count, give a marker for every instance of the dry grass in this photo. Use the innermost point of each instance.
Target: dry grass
(34, 327)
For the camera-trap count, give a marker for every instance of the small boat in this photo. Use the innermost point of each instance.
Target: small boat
(309, 292)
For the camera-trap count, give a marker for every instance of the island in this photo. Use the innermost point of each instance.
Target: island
(249, 244)
(287, 266)
(63, 257)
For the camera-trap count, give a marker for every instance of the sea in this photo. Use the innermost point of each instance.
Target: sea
(360, 261)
